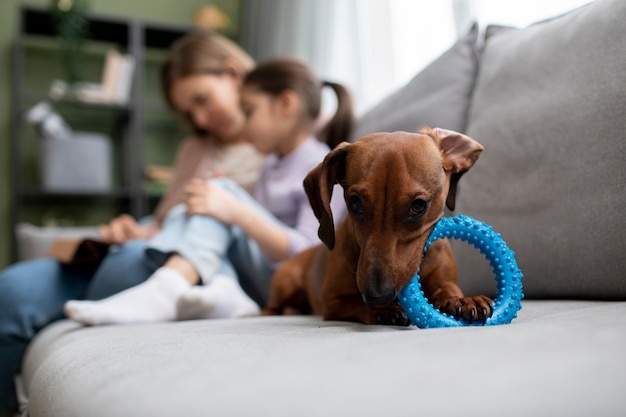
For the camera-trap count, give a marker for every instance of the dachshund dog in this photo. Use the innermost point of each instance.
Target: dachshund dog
(395, 188)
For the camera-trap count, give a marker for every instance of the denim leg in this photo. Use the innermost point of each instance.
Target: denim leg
(212, 246)
(201, 240)
(172, 229)
(32, 295)
(124, 266)
(253, 267)
(205, 244)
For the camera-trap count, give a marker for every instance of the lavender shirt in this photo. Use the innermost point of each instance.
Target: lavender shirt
(279, 189)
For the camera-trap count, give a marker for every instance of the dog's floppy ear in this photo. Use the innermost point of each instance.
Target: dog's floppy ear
(318, 186)
(460, 153)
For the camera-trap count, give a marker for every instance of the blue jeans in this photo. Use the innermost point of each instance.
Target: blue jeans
(212, 246)
(32, 295)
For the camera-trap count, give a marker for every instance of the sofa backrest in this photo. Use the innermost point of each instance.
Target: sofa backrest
(549, 105)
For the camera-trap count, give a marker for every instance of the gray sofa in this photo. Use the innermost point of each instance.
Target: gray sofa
(548, 102)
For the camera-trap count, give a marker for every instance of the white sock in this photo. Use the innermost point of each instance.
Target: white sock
(221, 298)
(151, 301)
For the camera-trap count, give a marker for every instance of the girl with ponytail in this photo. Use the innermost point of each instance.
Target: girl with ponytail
(225, 239)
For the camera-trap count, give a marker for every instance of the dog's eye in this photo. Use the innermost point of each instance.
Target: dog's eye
(356, 204)
(418, 207)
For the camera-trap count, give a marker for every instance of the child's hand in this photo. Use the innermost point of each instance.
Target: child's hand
(209, 200)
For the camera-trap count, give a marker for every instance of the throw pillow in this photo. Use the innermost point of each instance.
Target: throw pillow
(550, 108)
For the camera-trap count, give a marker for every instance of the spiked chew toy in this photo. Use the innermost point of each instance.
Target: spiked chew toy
(507, 275)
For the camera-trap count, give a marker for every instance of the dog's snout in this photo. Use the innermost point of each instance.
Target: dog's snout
(378, 291)
(375, 300)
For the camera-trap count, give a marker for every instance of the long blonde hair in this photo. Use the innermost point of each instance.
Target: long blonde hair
(200, 52)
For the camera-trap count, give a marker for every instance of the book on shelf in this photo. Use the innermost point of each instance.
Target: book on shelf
(115, 86)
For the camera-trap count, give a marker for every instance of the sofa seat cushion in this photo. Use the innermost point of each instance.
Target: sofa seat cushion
(549, 106)
(558, 358)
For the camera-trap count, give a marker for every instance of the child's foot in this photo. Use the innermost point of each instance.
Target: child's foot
(152, 301)
(221, 298)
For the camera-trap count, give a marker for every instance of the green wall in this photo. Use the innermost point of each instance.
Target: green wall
(179, 12)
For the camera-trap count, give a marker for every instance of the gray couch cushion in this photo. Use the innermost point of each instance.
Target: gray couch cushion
(550, 108)
(437, 96)
(302, 366)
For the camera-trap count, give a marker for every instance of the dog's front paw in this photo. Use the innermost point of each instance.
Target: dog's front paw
(471, 309)
(391, 315)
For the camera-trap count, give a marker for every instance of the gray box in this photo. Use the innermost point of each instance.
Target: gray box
(82, 163)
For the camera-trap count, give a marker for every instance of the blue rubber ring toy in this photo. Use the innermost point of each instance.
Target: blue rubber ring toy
(507, 274)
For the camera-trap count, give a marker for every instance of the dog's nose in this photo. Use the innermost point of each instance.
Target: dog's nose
(379, 297)
(377, 287)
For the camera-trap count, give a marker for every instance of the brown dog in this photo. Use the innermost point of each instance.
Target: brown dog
(395, 187)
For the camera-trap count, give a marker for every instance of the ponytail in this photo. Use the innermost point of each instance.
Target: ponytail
(338, 129)
(285, 73)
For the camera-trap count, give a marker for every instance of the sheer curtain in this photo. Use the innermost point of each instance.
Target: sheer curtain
(376, 46)
(331, 35)
(371, 46)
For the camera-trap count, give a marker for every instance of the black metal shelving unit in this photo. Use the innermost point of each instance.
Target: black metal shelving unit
(128, 121)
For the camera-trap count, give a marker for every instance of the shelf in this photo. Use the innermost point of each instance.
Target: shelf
(161, 36)
(37, 21)
(135, 128)
(36, 96)
(41, 193)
